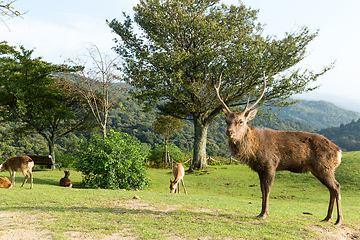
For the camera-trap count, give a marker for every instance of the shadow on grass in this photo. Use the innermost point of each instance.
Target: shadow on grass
(192, 214)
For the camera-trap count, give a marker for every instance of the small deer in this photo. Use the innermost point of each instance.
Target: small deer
(22, 164)
(266, 151)
(178, 173)
(4, 182)
(65, 181)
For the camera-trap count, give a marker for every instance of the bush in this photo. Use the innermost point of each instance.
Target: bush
(113, 162)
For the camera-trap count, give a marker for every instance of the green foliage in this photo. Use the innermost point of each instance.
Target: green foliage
(113, 162)
(346, 136)
(167, 126)
(156, 155)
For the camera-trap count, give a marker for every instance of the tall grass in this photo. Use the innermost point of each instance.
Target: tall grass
(222, 203)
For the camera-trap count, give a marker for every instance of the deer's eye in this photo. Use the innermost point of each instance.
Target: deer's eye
(241, 122)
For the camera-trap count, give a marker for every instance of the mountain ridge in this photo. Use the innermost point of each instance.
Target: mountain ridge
(318, 114)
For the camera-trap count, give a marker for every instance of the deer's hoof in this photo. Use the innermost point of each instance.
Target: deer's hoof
(326, 219)
(261, 216)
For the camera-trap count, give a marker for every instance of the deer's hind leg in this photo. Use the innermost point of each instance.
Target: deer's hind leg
(182, 181)
(328, 179)
(31, 178)
(12, 176)
(25, 178)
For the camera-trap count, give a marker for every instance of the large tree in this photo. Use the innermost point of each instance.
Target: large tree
(34, 95)
(180, 48)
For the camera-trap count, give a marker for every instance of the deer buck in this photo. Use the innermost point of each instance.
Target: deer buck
(266, 151)
(178, 173)
(22, 164)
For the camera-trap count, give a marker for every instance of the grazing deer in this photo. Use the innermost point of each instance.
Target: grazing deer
(178, 173)
(22, 164)
(266, 151)
(4, 182)
(65, 181)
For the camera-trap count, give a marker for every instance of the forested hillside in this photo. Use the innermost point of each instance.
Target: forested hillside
(318, 114)
(347, 136)
(135, 122)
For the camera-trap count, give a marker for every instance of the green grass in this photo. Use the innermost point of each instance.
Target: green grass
(222, 203)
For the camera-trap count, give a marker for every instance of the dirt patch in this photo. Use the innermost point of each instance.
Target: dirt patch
(20, 234)
(342, 232)
(135, 204)
(13, 227)
(90, 236)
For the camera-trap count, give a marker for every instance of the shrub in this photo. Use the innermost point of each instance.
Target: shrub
(113, 162)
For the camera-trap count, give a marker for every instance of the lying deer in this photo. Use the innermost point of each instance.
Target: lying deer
(4, 182)
(178, 173)
(266, 151)
(65, 181)
(22, 164)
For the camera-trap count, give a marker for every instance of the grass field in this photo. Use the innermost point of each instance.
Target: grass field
(222, 203)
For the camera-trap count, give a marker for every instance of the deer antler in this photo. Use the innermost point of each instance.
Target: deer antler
(246, 107)
(218, 95)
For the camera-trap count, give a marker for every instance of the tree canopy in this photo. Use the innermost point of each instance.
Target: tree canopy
(39, 100)
(173, 64)
(167, 126)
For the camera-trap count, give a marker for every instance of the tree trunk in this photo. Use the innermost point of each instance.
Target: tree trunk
(51, 145)
(104, 131)
(199, 159)
(166, 152)
(106, 113)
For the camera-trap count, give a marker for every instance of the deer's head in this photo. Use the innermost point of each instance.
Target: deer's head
(172, 186)
(237, 121)
(67, 173)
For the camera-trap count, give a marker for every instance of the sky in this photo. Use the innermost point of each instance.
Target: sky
(59, 30)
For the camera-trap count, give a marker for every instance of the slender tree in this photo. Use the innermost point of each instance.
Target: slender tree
(167, 126)
(98, 83)
(8, 11)
(180, 49)
(33, 94)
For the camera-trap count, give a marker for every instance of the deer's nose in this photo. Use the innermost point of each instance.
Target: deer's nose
(229, 133)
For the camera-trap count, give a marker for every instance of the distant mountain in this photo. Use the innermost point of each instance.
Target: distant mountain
(318, 114)
(346, 102)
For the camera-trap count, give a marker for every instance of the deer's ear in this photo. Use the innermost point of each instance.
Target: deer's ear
(251, 114)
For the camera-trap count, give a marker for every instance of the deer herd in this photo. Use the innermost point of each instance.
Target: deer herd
(25, 165)
(264, 150)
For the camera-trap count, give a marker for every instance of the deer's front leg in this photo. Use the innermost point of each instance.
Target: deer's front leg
(266, 181)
